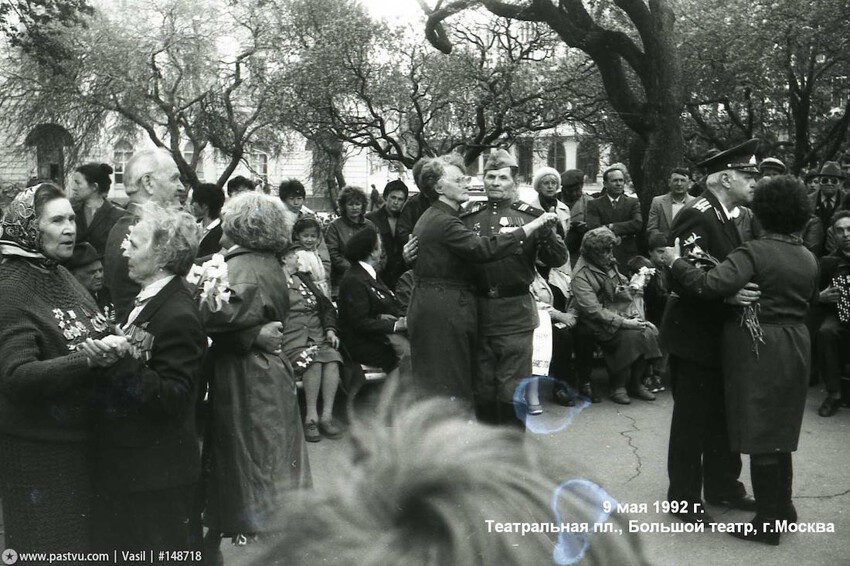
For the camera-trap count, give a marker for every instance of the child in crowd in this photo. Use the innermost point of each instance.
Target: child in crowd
(312, 252)
(652, 300)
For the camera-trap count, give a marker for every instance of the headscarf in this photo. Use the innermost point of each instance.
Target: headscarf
(19, 233)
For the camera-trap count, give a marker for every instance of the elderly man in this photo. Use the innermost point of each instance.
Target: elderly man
(87, 268)
(833, 336)
(699, 445)
(827, 199)
(572, 195)
(507, 314)
(149, 175)
(619, 213)
(664, 208)
(386, 219)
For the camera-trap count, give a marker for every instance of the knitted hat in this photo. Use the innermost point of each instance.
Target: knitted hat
(544, 172)
(395, 185)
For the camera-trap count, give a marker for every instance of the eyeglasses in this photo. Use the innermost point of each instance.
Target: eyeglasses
(465, 180)
(829, 180)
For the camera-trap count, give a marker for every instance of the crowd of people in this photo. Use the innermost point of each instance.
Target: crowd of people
(114, 365)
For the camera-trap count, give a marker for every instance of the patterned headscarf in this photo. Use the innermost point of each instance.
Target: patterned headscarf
(19, 233)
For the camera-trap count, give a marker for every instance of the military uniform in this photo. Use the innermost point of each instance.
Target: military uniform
(507, 314)
(442, 317)
(691, 332)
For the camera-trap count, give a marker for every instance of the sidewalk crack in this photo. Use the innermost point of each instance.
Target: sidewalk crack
(632, 445)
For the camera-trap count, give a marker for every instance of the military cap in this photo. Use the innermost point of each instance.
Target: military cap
(831, 169)
(361, 244)
(741, 157)
(395, 185)
(499, 159)
(772, 163)
(572, 177)
(84, 254)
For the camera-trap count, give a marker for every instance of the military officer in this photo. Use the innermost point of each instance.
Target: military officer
(698, 452)
(507, 314)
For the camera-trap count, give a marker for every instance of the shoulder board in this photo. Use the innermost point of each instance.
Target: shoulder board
(702, 205)
(473, 208)
(526, 208)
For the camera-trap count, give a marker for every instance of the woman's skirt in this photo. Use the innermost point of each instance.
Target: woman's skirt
(47, 495)
(627, 346)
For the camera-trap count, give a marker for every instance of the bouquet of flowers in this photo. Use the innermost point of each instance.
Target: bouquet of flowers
(640, 280)
(750, 313)
(210, 281)
(304, 359)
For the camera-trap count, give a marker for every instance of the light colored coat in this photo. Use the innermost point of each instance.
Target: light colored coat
(661, 214)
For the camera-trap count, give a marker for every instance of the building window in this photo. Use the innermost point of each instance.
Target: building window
(556, 157)
(525, 160)
(188, 153)
(120, 156)
(258, 161)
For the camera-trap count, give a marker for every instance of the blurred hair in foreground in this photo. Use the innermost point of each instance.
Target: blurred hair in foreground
(417, 487)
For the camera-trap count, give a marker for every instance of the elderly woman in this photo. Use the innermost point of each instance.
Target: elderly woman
(605, 308)
(352, 208)
(766, 361)
(46, 465)
(371, 320)
(547, 183)
(148, 462)
(95, 214)
(443, 318)
(254, 449)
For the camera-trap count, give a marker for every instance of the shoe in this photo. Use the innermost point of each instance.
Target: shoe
(588, 391)
(563, 398)
(311, 432)
(535, 409)
(620, 396)
(744, 502)
(330, 428)
(829, 407)
(642, 392)
(657, 384)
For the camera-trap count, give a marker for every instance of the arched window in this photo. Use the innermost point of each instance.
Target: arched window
(121, 154)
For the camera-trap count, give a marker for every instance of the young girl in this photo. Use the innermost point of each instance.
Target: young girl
(312, 251)
(310, 343)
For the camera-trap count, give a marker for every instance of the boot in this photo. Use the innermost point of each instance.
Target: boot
(787, 511)
(588, 391)
(767, 490)
(487, 412)
(212, 555)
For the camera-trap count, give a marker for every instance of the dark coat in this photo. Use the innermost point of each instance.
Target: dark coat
(412, 210)
(364, 307)
(116, 273)
(768, 387)
(255, 447)
(394, 265)
(146, 432)
(295, 336)
(210, 241)
(692, 324)
(336, 236)
(97, 232)
(625, 220)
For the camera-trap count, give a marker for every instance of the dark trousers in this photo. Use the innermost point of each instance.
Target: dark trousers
(698, 452)
(833, 339)
(503, 362)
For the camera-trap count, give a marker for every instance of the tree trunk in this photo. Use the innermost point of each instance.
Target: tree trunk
(326, 167)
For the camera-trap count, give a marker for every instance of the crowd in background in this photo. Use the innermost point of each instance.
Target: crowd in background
(110, 358)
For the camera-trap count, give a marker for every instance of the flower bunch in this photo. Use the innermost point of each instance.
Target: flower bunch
(210, 281)
(640, 280)
(304, 359)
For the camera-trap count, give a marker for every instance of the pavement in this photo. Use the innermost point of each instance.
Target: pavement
(624, 450)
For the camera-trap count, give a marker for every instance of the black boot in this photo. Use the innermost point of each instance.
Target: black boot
(766, 488)
(588, 391)
(787, 511)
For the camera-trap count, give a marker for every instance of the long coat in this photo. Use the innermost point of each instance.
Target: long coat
(336, 236)
(394, 265)
(255, 448)
(765, 392)
(693, 324)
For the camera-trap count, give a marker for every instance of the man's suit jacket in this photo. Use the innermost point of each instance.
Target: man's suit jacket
(693, 326)
(394, 265)
(210, 241)
(821, 210)
(661, 215)
(146, 431)
(625, 219)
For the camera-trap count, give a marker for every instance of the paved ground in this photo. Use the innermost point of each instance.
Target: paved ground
(624, 449)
